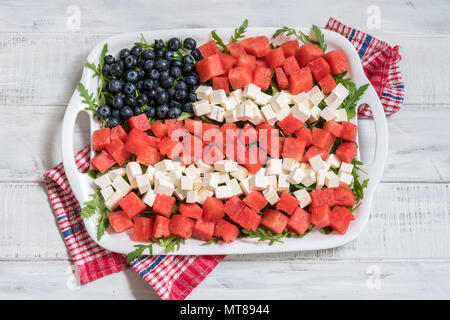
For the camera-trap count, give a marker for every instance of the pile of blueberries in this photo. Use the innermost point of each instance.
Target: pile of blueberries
(150, 80)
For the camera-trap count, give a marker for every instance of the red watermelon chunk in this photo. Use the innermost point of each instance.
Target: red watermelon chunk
(159, 129)
(346, 152)
(163, 204)
(191, 210)
(148, 156)
(240, 77)
(293, 148)
(322, 138)
(261, 63)
(257, 46)
(349, 131)
(193, 126)
(120, 221)
(213, 209)
(175, 128)
(319, 68)
(314, 151)
(287, 203)
(103, 161)
(203, 230)
(340, 218)
(322, 197)
(248, 134)
(255, 200)
(236, 49)
(226, 230)
(118, 132)
(101, 138)
(333, 127)
(337, 61)
(343, 196)
(282, 80)
(116, 148)
(290, 65)
(139, 122)
(300, 221)
(209, 68)
(161, 227)
(132, 205)
(307, 53)
(289, 48)
(212, 153)
(327, 83)
(233, 207)
(290, 124)
(248, 219)
(142, 229)
(138, 140)
(304, 134)
(320, 216)
(262, 77)
(275, 58)
(208, 49)
(274, 220)
(181, 226)
(247, 61)
(170, 148)
(228, 62)
(221, 83)
(300, 81)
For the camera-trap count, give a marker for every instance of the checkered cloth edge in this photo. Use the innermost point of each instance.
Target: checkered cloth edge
(172, 277)
(381, 65)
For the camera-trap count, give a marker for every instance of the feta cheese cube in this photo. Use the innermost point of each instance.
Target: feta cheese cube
(165, 187)
(346, 167)
(272, 181)
(103, 181)
(237, 95)
(341, 91)
(203, 194)
(273, 166)
(222, 177)
(216, 113)
(133, 169)
(218, 96)
(314, 113)
(230, 116)
(301, 112)
(210, 180)
(283, 112)
(203, 92)
(257, 117)
(280, 100)
(251, 91)
(328, 114)
(239, 173)
(320, 178)
(107, 192)
(333, 101)
(302, 98)
(262, 98)
(233, 185)
(225, 165)
(240, 112)
(223, 192)
(115, 173)
(230, 104)
(203, 167)
(283, 184)
(296, 176)
(180, 194)
(187, 183)
(309, 178)
(333, 161)
(192, 171)
(261, 172)
(315, 95)
(113, 201)
(150, 173)
(258, 182)
(165, 165)
(289, 164)
(191, 196)
(269, 114)
(198, 183)
(332, 180)
(201, 107)
(121, 185)
(317, 163)
(143, 183)
(175, 177)
(345, 179)
(245, 185)
(271, 195)
(341, 115)
(303, 196)
(149, 198)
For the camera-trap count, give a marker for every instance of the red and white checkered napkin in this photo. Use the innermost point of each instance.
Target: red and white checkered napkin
(381, 66)
(172, 277)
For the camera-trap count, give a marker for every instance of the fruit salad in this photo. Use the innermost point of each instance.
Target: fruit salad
(219, 142)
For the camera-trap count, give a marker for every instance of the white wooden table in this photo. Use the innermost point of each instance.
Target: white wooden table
(405, 249)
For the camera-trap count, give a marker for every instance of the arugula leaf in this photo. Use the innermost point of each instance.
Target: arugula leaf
(171, 243)
(90, 207)
(239, 32)
(263, 234)
(140, 248)
(88, 98)
(103, 223)
(358, 187)
(144, 44)
(219, 41)
(320, 37)
(349, 104)
(288, 32)
(185, 115)
(213, 240)
(92, 173)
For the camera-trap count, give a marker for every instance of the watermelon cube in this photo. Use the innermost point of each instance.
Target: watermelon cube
(248, 134)
(190, 210)
(289, 48)
(293, 148)
(287, 203)
(116, 148)
(314, 151)
(257, 46)
(349, 131)
(275, 58)
(159, 129)
(290, 65)
(255, 200)
(161, 227)
(240, 77)
(137, 140)
(262, 77)
(132, 205)
(148, 156)
(327, 83)
(282, 80)
(261, 63)
(212, 153)
(340, 218)
(226, 230)
(233, 207)
(213, 209)
(203, 230)
(208, 49)
(322, 197)
(337, 61)
(307, 53)
(142, 229)
(300, 221)
(343, 196)
(193, 126)
(221, 83)
(163, 204)
(300, 81)
(139, 122)
(246, 61)
(175, 128)
(322, 138)
(181, 226)
(228, 62)
(320, 216)
(170, 148)
(209, 68)
(118, 132)
(319, 68)
(304, 134)
(248, 219)
(103, 161)
(346, 152)
(274, 220)
(236, 49)
(290, 124)
(120, 221)
(101, 138)
(333, 127)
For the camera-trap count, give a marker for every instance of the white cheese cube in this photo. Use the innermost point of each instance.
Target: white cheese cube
(320, 178)
(119, 172)
(175, 177)
(149, 198)
(341, 91)
(103, 181)
(133, 184)
(301, 112)
(240, 173)
(333, 161)
(230, 104)
(309, 178)
(233, 185)
(201, 107)
(230, 116)
(273, 166)
(280, 100)
(216, 113)
(305, 166)
(269, 114)
(198, 183)
(333, 101)
(225, 165)
(223, 192)
(187, 183)
(191, 196)
(113, 201)
(341, 115)
(332, 180)
(257, 117)
(283, 112)
(151, 174)
(302, 98)
(203, 194)
(303, 196)
(296, 176)
(314, 113)
(165, 187)
(245, 185)
(133, 169)
(345, 179)
(271, 195)
(291, 97)
(203, 92)
(317, 163)
(261, 172)
(164, 166)
(143, 183)
(258, 182)
(262, 98)
(315, 95)
(121, 185)
(328, 114)
(283, 184)
(251, 91)
(272, 181)
(160, 175)
(240, 112)
(107, 192)
(289, 164)
(237, 95)
(210, 180)
(346, 167)
(222, 177)
(203, 167)
(250, 109)
(192, 171)
(180, 194)
(218, 96)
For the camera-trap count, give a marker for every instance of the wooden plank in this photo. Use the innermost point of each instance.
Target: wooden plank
(415, 153)
(416, 279)
(407, 221)
(44, 69)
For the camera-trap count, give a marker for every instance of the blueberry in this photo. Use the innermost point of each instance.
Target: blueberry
(118, 102)
(159, 90)
(181, 85)
(175, 72)
(187, 59)
(148, 55)
(161, 111)
(159, 44)
(130, 62)
(129, 89)
(120, 94)
(115, 113)
(109, 59)
(109, 101)
(166, 82)
(131, 76)
(124, 53)
(126, 112)
(162, 97)
(104, 111)
(154, 74)
(151, 103)
(189, 43)
(136, 51)
(188, 68)
(159, 54)
(139, 85)
(171, 92)
(176, 63)
(174, 44)
(120, 63)
(137, 111)
(174, 103)
(190, 80)
(149, 84)
(130, 101)
(163, 74)
(187, 107)
(114, 86)
(162, 64)
(148, 65)
(116, 70)
(168, 55)
(192, 97)
(151, 93)
(113, 122)
(173, 113)
(193, 88)
(181, 95)
(142, 100)
(141, 74)
(196, 54)
(150, 112)
(106, 70)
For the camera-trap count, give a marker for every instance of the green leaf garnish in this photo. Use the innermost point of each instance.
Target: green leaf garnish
(140, 248)
(185, 115)
(143, 43)
(287, 31)
(240, 32)
(219, 41)
(91, 206)
(103, 223)
(320, 37)
(354, 94)
(171, 243)
(88, 98)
